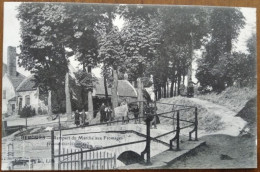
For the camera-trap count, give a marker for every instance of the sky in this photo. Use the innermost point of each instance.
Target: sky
(12, 33)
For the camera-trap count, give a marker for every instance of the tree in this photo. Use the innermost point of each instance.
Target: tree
(182, 32)
(110, 13)
(85, 82)
(251, 62)
(225, 24)
(43, 28)
(84, 39)
(140, 41)
(244, 65)
(112, 56)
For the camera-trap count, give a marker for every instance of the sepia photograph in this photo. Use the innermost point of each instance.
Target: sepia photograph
(117, 86)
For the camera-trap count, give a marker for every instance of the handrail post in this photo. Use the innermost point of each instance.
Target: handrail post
(177, 135)
(196, 123)
(147, 150)
(148, 141)
(195, 129)
(178, 131)
(173, 124)
(52, 150)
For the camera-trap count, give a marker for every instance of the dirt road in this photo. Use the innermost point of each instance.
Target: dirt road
(225, 150)
(232, 124)
(241, 150)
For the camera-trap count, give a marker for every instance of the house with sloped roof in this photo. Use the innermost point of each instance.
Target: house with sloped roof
(11, 79)
(19, 91)
(125, 90)
(28, 94)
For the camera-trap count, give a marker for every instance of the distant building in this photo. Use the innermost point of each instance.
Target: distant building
(28, 94)
(125, 90)
(11, 80)
(19, 91)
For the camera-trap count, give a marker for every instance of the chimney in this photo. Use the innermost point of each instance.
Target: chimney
(11, 61)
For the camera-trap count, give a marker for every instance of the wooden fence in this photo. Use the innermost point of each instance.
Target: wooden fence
(95, 160)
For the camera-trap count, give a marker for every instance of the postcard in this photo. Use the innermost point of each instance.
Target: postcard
(116, 86)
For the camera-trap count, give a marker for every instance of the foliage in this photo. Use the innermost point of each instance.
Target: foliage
(146, 81)
(111, 52)
(85, 79)
(181, 30)
(27, 111)
(140, 39)
(251, 61)
(80, 85)
(42, 111)
(217, 66)
(158, 42)
(84, 25)
(43, 35)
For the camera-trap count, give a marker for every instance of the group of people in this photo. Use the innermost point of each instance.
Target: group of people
(80, 118)
(105, 113)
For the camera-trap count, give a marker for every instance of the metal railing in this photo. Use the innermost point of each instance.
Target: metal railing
(149, 120)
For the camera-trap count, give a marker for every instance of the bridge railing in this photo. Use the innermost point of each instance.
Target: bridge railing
(175, 115)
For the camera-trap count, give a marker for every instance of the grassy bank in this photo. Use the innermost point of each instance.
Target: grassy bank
(208, 120)
(233, 97)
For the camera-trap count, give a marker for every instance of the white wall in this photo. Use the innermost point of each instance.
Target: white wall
(10, 92)
(33, 98)
(35, 102)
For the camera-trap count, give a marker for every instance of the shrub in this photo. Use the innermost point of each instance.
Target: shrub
(42, 111)
(27, 111)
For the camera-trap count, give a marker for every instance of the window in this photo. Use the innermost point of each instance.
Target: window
(4, 94)
(27, 100)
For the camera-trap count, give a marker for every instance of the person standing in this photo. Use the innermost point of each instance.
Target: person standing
(102, 113)
(77, 120)
(108, 112)
(135, 111)
(153, 112)
(83, 118)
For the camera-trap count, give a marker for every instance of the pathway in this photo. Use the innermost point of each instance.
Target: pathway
(232, 124)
